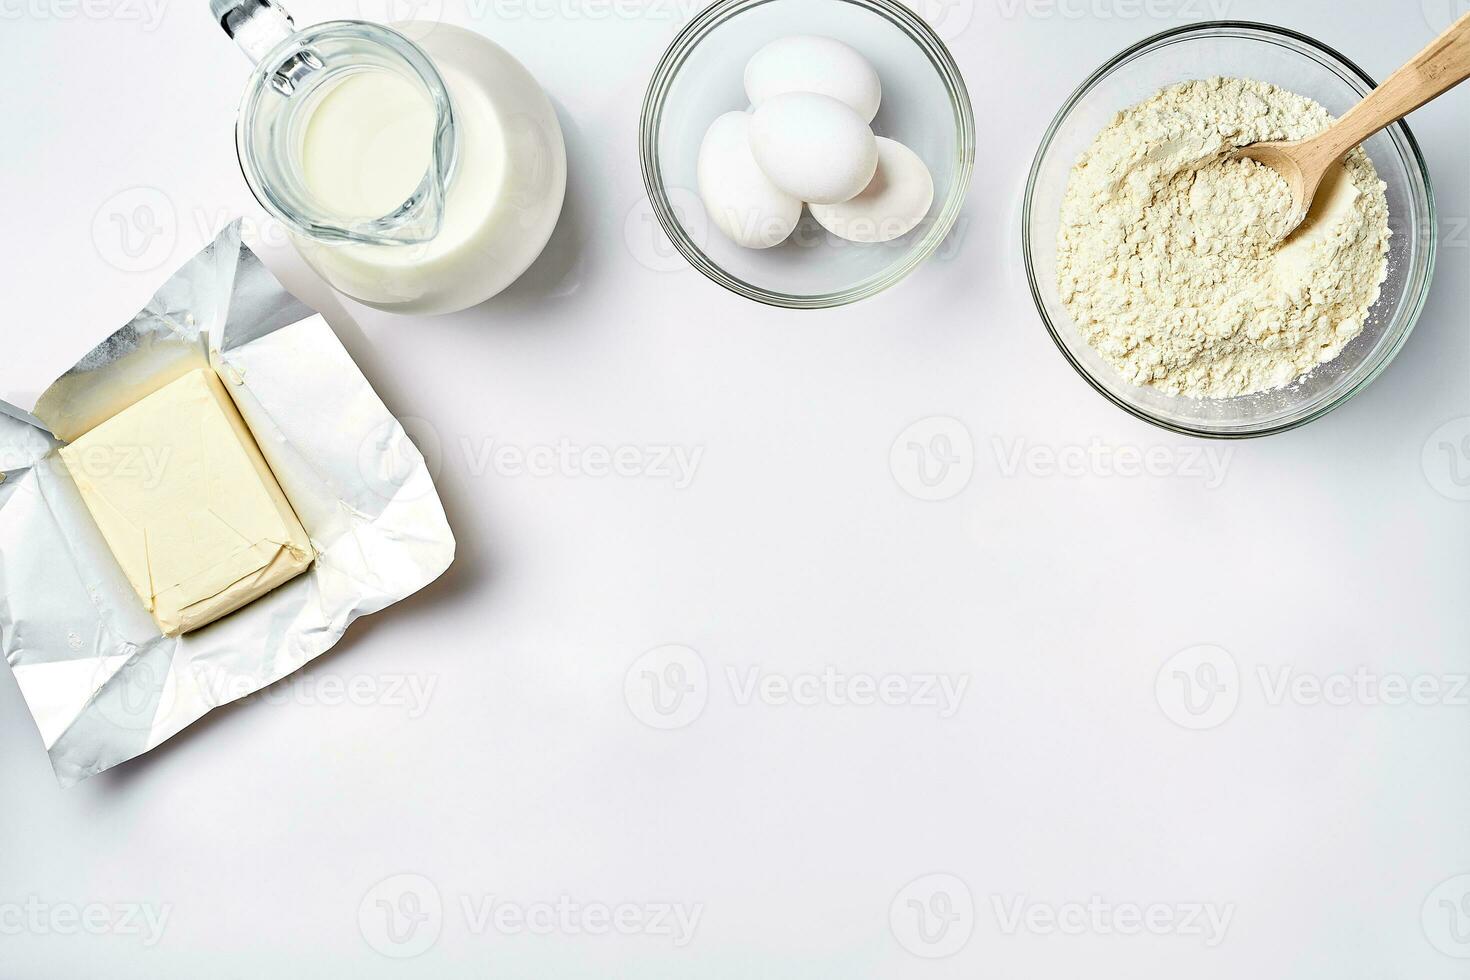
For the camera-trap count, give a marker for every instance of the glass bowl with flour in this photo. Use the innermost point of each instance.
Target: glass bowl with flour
(1153, 256)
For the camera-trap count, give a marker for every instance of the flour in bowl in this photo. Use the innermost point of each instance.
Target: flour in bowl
(1168, 259)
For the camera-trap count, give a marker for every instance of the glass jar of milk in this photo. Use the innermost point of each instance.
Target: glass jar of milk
(416, 178)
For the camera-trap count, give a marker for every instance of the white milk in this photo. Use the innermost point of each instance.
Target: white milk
(366, 145)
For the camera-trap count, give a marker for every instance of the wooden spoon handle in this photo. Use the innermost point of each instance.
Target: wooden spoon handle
(1432, 72)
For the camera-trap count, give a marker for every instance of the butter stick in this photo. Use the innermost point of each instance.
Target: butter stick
(188, 505)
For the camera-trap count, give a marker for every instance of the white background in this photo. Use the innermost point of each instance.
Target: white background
(527, 773)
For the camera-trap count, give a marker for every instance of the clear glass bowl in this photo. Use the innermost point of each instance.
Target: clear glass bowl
(1296, 63)
(925, 107)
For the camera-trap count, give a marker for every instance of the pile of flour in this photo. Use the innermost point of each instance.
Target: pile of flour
(1167, 256)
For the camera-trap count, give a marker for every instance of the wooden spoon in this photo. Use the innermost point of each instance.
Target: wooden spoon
(1305, 163)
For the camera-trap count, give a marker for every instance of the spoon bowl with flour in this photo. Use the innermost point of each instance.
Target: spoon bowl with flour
(1305, 164)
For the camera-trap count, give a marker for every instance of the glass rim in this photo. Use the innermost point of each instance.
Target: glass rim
(292, 205)
(1417, 167)
(651, 118)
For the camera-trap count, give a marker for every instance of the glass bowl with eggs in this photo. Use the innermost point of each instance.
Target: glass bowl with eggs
(806, 153)
(1148, 324)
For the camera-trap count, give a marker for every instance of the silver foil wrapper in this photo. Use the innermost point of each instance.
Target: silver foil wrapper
(102, 683)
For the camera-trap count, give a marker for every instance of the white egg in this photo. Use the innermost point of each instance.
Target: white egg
(809, 63)
(740, 199)
(813, 147)
(892, 204)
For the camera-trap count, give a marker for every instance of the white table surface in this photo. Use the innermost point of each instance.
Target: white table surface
(496, 746)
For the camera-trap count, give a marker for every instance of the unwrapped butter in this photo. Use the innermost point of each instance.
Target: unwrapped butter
(187, 503)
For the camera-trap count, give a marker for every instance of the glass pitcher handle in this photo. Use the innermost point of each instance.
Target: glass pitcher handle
(258, 27)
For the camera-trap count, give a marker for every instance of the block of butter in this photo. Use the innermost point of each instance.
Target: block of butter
(187, 504)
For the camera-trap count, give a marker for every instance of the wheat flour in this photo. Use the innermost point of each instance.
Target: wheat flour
(1167, 258)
